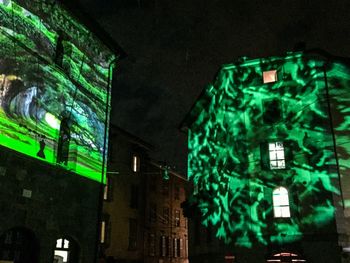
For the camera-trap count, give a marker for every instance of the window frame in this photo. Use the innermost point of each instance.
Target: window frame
(280, 202)
(278, 158)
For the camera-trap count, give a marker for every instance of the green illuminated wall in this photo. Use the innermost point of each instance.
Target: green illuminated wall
(36, 94)
(226, 163)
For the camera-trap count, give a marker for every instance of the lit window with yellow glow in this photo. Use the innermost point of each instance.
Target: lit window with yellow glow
(280, 201)
(276, 154)
(270, 76)
(135, 163)
(103, 232)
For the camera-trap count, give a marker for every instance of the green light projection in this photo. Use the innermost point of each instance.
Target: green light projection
(35, 94)
(227, 141)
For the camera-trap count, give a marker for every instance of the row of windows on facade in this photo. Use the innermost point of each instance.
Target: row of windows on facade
(133, 240)
(168, 247)
(164, 218)
(134, 191)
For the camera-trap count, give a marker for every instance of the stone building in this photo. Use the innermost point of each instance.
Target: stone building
(268, 160)
(142, 217)
(166, 235)
(55, 80)
(124, 198)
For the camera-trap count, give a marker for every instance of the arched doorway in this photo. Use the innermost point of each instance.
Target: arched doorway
(19, 245)
(66, 251)
(286, 257)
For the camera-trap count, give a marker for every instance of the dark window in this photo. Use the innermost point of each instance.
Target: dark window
(134, 196)
(272, 111)
(153, 213)
(209, 234)
(197, 232)
(177, 192)
(165, 215)
(132, 234)
(59, 52)
(165, 187)
(152, 244)
(19, 245)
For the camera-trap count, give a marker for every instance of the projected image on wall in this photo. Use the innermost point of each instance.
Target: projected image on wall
(45, 112)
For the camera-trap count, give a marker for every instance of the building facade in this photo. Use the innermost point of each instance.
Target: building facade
(143, 221)
(268, 151)
(54, 114)
(166, 235)
(124, 199)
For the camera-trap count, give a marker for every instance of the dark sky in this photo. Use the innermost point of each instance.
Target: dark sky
(175, 48)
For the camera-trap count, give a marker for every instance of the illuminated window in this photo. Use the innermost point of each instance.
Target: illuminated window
(270, 76)
(103, 232)
(276, 155)
(286, 257)
(177, 218)
(280, 202)
(107, 189)
(164, 246)
(177, 246)
(135, 163)
(62, 251)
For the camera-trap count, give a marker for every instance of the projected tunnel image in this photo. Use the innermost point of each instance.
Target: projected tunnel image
(53, 92)
(262, 156)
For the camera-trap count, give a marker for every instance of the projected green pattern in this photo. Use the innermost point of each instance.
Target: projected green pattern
(35, 94)
(225, 160)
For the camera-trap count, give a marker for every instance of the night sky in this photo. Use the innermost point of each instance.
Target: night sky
(175, 48)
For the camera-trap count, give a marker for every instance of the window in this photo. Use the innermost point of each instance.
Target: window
(135, 163)
(153, 213)
(107, 189)
(280, 202)
(272, 111)
(151, 243)
(62, 251)
(132, 234)
(177, 244)
(270, 76)
(134, 196)
(103, 232)
(276, 155)
(177, 192)
(165, 187)
(165, 215)
(286, 257)
(177, 218)
(164, 246)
